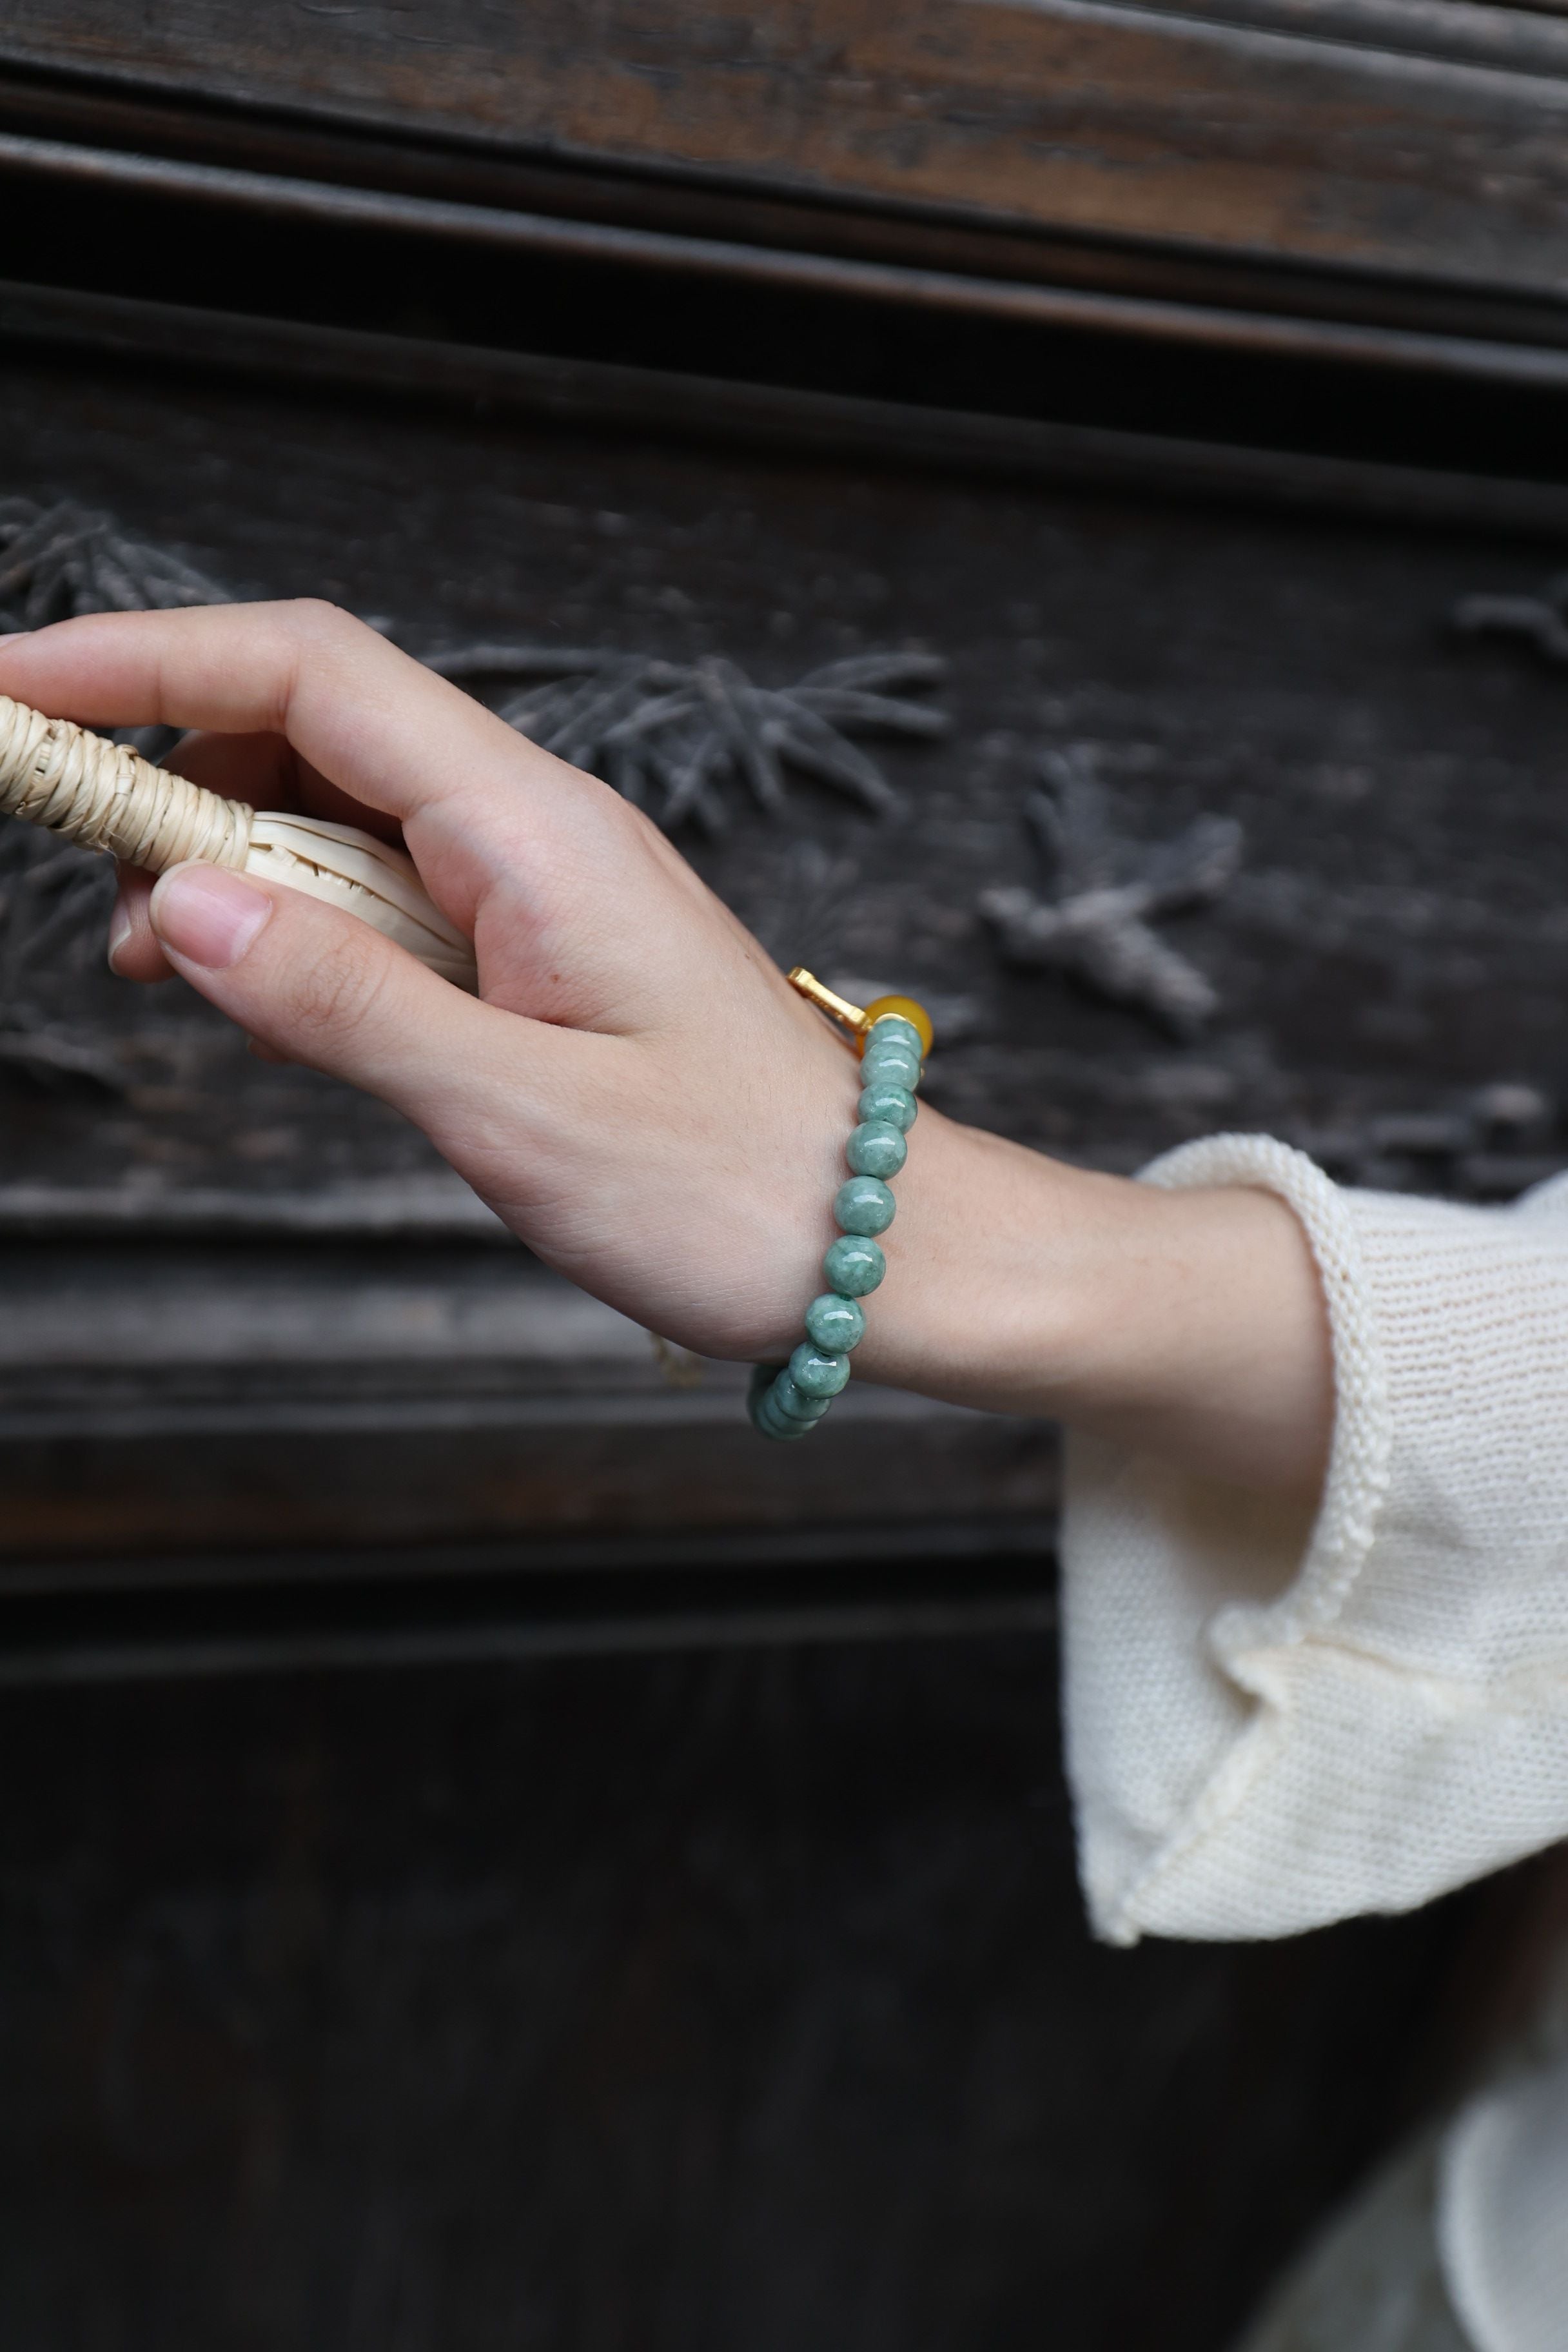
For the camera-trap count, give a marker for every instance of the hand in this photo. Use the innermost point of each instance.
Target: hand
(637, 1091)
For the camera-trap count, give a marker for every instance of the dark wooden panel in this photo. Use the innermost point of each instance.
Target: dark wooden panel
(1397, 434)
(700, 2000)
(1397, 137)
(60, 134)
(163, 1399)
(706, 2004)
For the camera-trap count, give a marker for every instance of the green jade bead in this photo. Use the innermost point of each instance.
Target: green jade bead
(885, 1040)
(892, 1028)
(882, 1104)
(864, 1205)
(763, 1377)
(788, 1404)
(775, 1423)
(853, 1266)
(890, 1066)
(875, 1151)
(817, 1372)
(793, 1402)
(769, 1405)
(835, 1323)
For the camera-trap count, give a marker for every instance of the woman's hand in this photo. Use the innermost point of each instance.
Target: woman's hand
(638, 1092)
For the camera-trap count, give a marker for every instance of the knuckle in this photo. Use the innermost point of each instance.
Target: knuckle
(336, 992)
(318, 617)
(316, 639)
(316, 626)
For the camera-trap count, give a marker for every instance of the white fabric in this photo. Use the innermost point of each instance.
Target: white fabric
(1270, 1725)
(1502, 2215)
(1372, 2280)
(1273, 1722)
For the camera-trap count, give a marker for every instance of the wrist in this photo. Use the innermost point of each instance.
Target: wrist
(989, 1273)
(1190, 1325)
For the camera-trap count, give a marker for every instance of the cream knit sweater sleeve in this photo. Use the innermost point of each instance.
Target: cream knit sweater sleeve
(1273, 1722)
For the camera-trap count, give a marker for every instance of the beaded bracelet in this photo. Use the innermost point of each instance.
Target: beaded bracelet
(894, 1037)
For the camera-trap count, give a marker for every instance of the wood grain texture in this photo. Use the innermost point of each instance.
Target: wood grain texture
(101, 119)
(1426, 140)
(219, 196)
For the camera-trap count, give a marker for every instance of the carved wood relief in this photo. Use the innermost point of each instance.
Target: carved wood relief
(1388, 962)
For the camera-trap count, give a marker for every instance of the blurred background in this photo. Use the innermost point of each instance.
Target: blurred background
(494, 1854)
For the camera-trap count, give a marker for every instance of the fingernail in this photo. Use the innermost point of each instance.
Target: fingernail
(208, 916)
(119, 927)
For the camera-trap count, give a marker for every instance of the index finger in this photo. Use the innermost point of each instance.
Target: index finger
(380, 725)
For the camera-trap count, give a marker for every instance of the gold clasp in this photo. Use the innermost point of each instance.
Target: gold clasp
(850, 1016)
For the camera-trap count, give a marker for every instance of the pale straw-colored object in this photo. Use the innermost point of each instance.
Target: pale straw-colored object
(105, 796)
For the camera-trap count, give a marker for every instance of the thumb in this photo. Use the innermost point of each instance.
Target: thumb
(316, 985)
